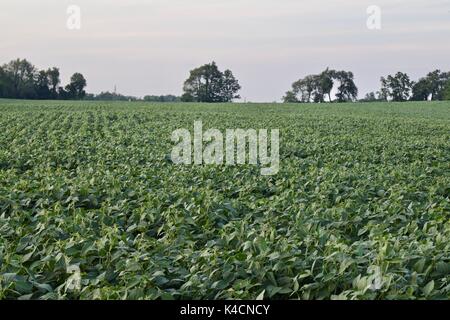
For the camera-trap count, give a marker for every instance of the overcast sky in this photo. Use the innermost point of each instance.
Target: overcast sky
(149, 46)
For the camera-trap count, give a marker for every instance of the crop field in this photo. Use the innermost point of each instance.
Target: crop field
(92, 207)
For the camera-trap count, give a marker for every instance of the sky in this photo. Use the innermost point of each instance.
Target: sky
(148, 46)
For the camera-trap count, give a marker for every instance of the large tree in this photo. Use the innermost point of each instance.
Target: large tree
(398, 87)
(208, 84)
(430, 87)
(75, 89)
(42, 85)
(421, 90)
(54, 81)
(347, 90)
(229, 87)
(303, 90)
(21, 75)
(326, 82)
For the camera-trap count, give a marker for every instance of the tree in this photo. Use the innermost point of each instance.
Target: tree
(208, 84)
(75, 89)
(19, 79)
(383, 94)
(187, 97)
(326, 82)
(315, 87)
(421, 90)
(317, 93)
(54, 81)
(446, 91)
(290, 97)
(304, 90)
(21, 74)
(444, 86)
(397, 87)
(42, 85)
(347, 90)
(166, 98)
(432, 86)
(370, 97)
(230, 86)
(63, 94)
(5, 84)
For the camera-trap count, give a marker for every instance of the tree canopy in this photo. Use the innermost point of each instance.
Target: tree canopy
(208, 84)
(397, 87)
(19, 79)
(316, 88)
(431, 87)
(446, 91)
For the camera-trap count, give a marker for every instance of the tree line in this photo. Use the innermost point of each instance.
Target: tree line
(112, 96)
(316, 88)
(399, 87)
(19, 79)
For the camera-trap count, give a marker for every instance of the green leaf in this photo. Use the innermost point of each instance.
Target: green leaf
(428, 288)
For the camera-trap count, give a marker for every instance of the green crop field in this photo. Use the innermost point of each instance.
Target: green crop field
(91, 206)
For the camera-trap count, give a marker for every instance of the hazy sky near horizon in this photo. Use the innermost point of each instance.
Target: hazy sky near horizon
(149, 46)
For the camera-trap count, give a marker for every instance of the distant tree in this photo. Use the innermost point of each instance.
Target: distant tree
(397, 87)
(307, 87)
(314, 88)
(63, 94)
(318, 91)
(5, 84)
(303, 90)
(444, 86)
(75, 88)
(187, 97)
(383, 94)
(19, 79)
(446, 91)
(347, 90)
(290, 97)
(432, 86)
(54, 81)
(108, 96)
(208, 84)
(435, 84)
(326, 82)
(229, 87)
(421, 90)
(42, 85)
(21, 74)
(370, 97)
(89, 97)
(164, 98)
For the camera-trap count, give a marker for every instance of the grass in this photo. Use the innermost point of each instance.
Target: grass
(359, 210)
